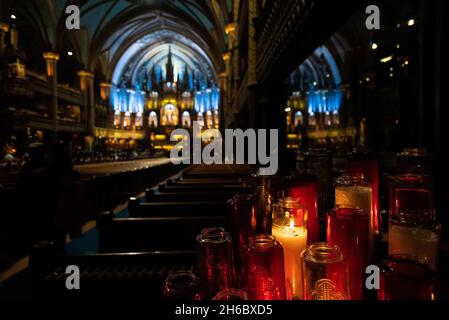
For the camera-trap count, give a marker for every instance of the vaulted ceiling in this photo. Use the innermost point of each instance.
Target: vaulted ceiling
(110, 29)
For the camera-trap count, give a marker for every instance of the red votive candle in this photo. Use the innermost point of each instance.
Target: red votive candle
(348, 228)
(405, 279)
(325, 273)
(243, 219)
(369, 167)
(214, 260)
(411, 194)
(265, 260)
(304, 187)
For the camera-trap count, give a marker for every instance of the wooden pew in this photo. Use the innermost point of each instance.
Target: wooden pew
(105, 276)
(152, 195)
(201, 189)
(175, 209)
(151, 234)
(205, 182)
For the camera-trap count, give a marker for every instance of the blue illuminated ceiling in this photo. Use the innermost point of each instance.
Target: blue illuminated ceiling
(152, 51)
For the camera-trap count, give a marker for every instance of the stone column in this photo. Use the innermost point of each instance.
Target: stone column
(105, 97)
(87, 87)
(51, 60)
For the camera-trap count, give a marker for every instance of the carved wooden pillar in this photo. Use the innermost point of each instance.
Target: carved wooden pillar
(51, 60)
(252, 65)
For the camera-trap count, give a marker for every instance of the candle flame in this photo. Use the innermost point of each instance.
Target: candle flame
(292, 223)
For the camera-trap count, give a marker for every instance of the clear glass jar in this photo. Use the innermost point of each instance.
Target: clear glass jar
(325, 273)
(265, 259)
(214, 260)
(290, 230)
(267, 190)
(182, 285)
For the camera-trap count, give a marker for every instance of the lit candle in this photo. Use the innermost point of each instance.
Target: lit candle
(304, 187)
(290, 231)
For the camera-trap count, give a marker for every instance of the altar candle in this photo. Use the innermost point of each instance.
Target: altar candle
(294, 241)
(289, 229)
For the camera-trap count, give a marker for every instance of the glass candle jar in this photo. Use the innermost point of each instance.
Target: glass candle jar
(320, 164)
(348, 228)
(267, 191)
(325, 273)
(414, 161)
(416, 237)
(231, 294)
(214, 260)
(366, 164)
(289, 229)
(182, 285)
(305, 188)
(242, 213)
(265, 259)
(354, 191)
(403, 278)
(411, 194)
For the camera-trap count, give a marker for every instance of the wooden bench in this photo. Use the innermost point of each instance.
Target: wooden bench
(176, 209)
(106, 276)
(152, 195)
(152, 234)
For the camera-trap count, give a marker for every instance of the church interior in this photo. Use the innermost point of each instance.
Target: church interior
(94, 95)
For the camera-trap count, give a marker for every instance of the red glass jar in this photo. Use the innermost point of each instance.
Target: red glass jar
(305, 188)
(411, 194)
(265, 260)
(214, 260)
(363, 163)
(320, 163)
(325, 273)
(183, 285)
(242, 213)
(402, 278)
(348, 228)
